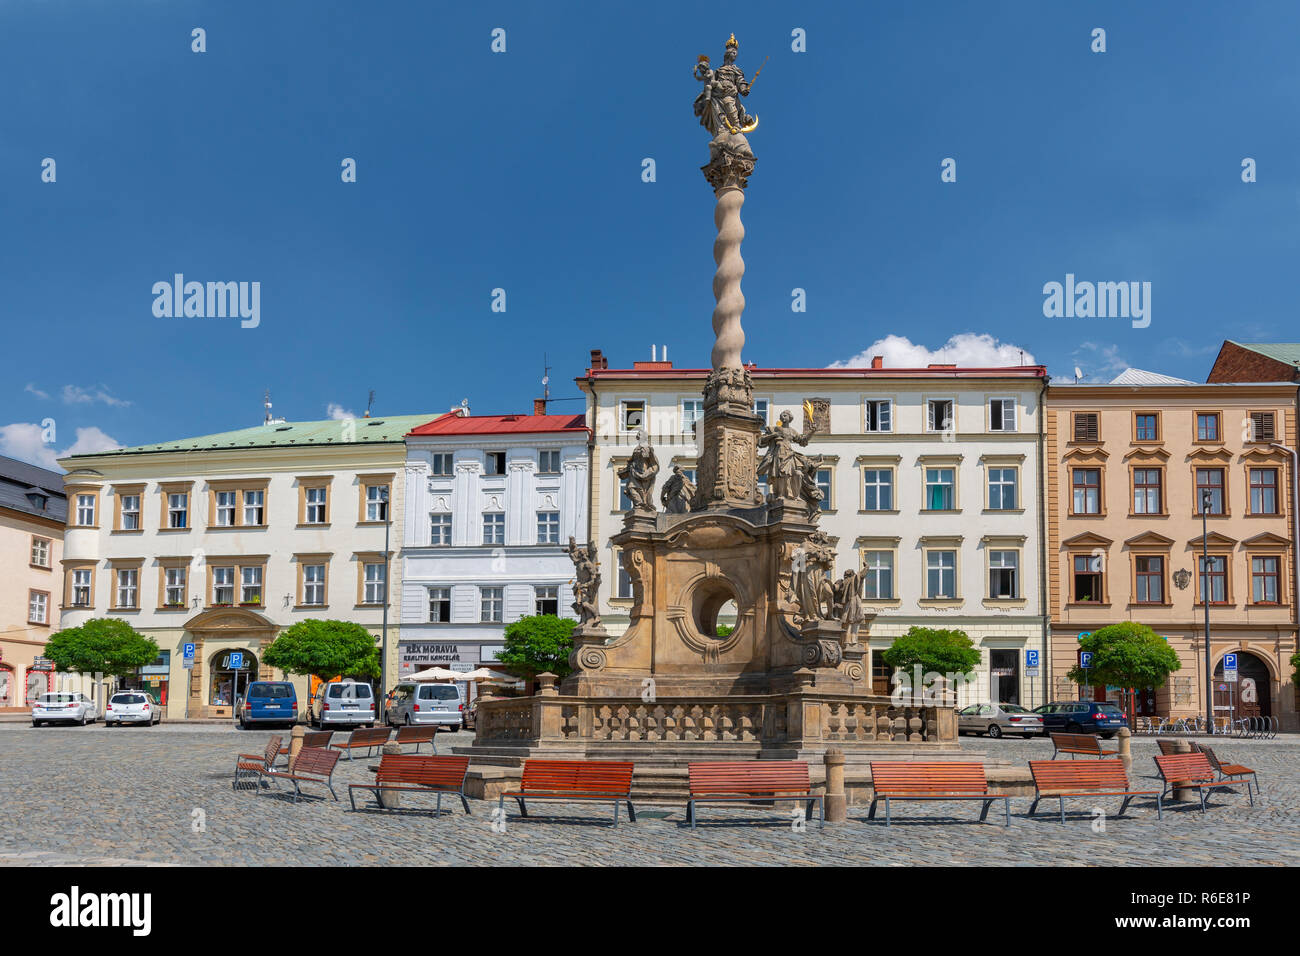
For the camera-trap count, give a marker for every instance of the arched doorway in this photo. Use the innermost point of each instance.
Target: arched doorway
(7, 698)
(228, 682)
(1252, 695)
(217, 634)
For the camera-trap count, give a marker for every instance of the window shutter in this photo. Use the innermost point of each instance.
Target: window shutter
(1261, 426)
(1085, 426)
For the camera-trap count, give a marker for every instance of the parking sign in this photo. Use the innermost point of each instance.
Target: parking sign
(1085, 659)
(1031, 658)
(236, 660)
(1230, 667)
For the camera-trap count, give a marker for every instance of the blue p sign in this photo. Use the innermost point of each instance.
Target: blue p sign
(1031, 658)
(188, 649)
(1085, 659)
(1229, 662)
(236, 661)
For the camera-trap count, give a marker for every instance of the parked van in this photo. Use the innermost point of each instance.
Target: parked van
(426, 704)
(268, 702)
(343, 702)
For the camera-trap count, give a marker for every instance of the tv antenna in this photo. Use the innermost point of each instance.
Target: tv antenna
(546, 379)
(370, 401)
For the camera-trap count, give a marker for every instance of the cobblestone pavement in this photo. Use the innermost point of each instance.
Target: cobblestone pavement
(134, 795)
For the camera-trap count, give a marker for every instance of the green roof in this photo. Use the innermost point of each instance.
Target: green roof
(1286, 352)
(356, 431)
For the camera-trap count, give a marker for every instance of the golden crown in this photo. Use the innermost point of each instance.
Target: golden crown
(732, 44)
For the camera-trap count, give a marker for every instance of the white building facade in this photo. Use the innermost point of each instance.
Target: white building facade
(493, 501)
(931, 481)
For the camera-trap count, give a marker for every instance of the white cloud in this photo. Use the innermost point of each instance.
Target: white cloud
(1098, 363)
(966, 349)
(76, 395)
(338, 412)
(24, 441)
(36, 391)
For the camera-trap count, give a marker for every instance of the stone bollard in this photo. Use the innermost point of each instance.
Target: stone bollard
(1183, 793)
(295, 743)
(1126, 748)
(390, 799)
(837, 807)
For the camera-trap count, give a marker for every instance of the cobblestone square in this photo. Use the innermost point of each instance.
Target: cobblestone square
(162, 795)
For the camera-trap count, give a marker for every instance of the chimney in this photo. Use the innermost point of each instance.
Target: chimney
(598, 360)
(539, 406)
(877, 361)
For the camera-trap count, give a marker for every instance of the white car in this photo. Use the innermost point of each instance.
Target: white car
(63, 707)
(132, 707)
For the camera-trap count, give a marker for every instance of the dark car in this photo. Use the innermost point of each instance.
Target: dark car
(268, 702)
(1082, 717)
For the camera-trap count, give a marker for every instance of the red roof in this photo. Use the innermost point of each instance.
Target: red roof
(934, 371)
(501, 424)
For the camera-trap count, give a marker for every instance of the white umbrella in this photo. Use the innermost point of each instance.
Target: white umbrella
(436, 673)
(481, 673)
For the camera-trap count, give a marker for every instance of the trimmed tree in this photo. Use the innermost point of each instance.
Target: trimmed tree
(934, 650)
(103, 645)
(324, 649)
(1295, 668)
(1127, 655)
(538, 644)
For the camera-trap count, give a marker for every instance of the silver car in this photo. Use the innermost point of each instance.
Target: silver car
(998, 719)
(342, 702)
(64, 708)
(132, 707)
(425, 704)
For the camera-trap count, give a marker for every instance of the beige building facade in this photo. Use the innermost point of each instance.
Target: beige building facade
(1129, 465)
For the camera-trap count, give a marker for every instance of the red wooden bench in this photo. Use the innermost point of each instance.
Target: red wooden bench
(932, 780)
(363, 738)
(1193, 772)
(1226, 770)
(1087, 744)
(313, 738)
(417, 736)
(752, 781)
(252, 765)
(314, 765)
(415, 773)
(565, 780)
(1105, 778)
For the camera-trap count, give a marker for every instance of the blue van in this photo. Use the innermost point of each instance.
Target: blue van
(268, 702)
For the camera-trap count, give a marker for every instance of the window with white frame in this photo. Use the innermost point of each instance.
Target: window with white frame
(492, 603)
(376, 502)
(692, 412)
(1002, 488)
(255, 508)
(313, 585)
(546, 599)
(548, 527)
(128, 587)
(174, 587)
(631, 415)
(178, 509)
(440, 529)
(495, 463)
(81, 581)
(85, 511)
(223, 585)
(941, 574)
(548, 461)
(938, 415)
(226, 508)
(1004, 574)
(316, 498)
(878, 575)
(824, 486)
(622, 580)
(940, 489)
(760, 409)
(442, 464)
(250, 591)
(374, 583)
(130, 516)
(877, 489)
(1002, 414)
(439, 605)
(494, 527)
(41, 552)
(38, 607)
(878, 415)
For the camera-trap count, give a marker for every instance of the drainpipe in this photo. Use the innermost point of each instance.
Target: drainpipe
(1044, 607)
(1295, 531)
(591, 460)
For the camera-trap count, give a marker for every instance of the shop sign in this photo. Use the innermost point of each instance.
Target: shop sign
(417, 656)
(42, 664)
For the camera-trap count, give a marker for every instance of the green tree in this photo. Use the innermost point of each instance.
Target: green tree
(537, 644)
(1127, 655)
(325, 649)
(103, 645)
(935, 651)
(1295, 668)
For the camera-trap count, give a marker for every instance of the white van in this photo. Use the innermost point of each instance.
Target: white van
(343, 702)
(414, 704)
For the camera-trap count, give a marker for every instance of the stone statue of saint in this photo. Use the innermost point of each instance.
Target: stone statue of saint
(718, 105)
(638, 476)
(677, 492)
(586, 584)
(813, 592)
(848, 604)
(783, 466)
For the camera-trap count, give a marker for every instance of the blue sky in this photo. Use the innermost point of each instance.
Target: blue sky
(522, 171)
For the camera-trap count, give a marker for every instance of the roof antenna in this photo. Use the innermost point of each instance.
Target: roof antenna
(266, 403)
(370, 401)
(546, 380)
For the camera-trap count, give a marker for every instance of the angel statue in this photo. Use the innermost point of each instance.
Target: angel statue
(586, 584)
(677, 492)
(784, 467)
(718, 105)
(638, 475)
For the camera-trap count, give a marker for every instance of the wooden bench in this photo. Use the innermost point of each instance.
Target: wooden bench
(314, 765)
(752, 781)
(417, 736)
(1087, 744)
(934, 780)
(1192, 772)
(1105, 778)
(252, 765)
(1228, 770)
(312, 738)
(361, 738)
(414, 773)
(566, 780)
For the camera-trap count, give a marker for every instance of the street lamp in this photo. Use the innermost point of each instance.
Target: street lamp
(383, 641)
(1206, 497)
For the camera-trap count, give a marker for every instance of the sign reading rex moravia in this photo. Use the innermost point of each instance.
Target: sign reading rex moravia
(420, 655)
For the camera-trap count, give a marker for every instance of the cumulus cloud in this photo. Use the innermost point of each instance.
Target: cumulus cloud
(35, 391)
(338, 412)
(76, 395)
(1098, 363)
(26, 442)
(966, 349)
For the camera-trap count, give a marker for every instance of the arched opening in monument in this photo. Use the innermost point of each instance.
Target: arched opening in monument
(714, 607)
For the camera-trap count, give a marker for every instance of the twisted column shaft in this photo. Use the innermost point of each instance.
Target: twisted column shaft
(729, 337)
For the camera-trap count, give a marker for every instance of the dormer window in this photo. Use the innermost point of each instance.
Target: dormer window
(38, 499)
